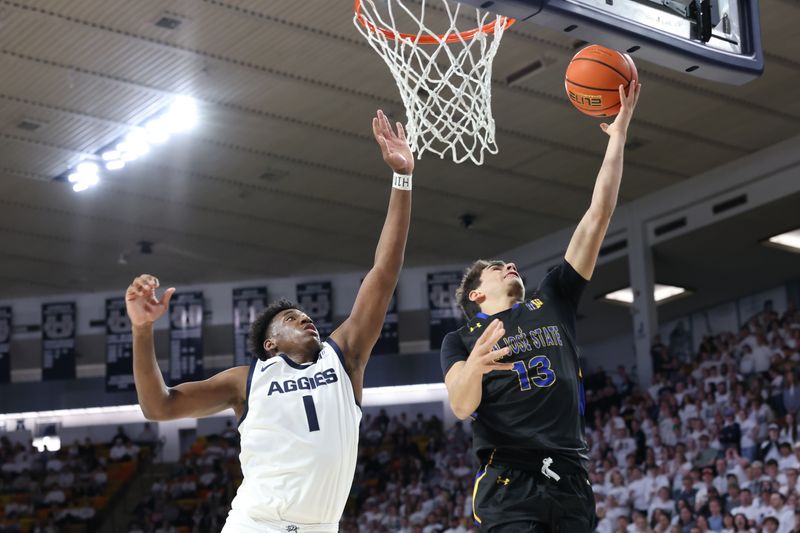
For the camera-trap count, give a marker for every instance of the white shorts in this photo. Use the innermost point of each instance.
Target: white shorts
(240, 523)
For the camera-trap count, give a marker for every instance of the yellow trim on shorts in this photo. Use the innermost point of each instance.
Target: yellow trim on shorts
(475, 493)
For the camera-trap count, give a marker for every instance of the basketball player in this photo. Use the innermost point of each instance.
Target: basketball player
(515, 369)
(298, 402)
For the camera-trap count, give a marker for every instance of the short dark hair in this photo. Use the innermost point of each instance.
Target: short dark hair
(260, 326)
(469, 282)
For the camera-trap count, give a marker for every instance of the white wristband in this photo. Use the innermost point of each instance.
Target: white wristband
(402, 181)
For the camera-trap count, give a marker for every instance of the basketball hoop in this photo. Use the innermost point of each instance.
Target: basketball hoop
(445, 78)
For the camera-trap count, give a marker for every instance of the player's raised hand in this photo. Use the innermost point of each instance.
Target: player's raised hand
(140, 299)
(628, 103)
(394, 147)
(484, 357)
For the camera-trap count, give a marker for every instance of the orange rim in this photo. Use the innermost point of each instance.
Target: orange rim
(429, 39)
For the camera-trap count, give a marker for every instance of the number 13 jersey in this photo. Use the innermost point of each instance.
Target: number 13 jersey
(537, 406)
(299, 438)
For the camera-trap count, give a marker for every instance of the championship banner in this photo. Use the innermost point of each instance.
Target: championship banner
(119, 347)
(5, 345)
(247, 305)
(316, 299)
(58, 341)
(446, 315)
(389, 341)
(186, 337)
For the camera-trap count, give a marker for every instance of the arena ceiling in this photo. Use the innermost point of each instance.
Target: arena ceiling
(282, 177)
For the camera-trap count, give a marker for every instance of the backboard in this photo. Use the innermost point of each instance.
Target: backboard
(718, 40)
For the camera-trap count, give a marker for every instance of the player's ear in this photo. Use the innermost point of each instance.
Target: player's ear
(476, 296)
(269, 345)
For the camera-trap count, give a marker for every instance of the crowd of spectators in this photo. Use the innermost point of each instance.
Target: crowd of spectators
(413, 476)
(195, 494)
(711, 445)
(58, 491)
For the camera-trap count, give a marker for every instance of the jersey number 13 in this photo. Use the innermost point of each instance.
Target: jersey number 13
(538, 373)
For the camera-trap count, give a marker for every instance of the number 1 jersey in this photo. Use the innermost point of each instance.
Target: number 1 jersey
(299, 439)
(538, 406)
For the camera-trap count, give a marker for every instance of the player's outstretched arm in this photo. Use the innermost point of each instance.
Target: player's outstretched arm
(464, 380)
(588, 237)
(359, 333)
(187, 400)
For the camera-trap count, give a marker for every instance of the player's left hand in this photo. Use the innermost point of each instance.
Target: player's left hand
(628, 104)
(394, 147)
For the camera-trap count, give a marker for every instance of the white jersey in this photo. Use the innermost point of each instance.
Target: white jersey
(299, 437)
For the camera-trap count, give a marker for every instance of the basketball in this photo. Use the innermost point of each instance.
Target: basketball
(593, 79)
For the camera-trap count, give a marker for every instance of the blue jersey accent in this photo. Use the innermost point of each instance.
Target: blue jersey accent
(338, 351)
(311, 413)
(298, 366)
(249, 382)
(484, 316)
(304, 383)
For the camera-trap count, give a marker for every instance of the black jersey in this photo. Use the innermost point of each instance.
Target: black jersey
(538, 406)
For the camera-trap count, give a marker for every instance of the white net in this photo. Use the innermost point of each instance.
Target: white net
(444, 77)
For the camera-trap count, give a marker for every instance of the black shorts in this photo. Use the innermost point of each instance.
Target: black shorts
(510, 500)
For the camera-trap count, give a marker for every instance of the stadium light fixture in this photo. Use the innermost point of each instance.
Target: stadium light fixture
(179, 117)
(661, 294)
(48, 442)
(789, 241)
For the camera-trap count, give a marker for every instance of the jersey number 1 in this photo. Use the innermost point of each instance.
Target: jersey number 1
(537, 372)
(311, 413)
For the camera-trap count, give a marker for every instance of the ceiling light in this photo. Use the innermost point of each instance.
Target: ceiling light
(87, 168)
(789, 241)
(182, 114)
(136, 136)
(661, 294)
(156, 131)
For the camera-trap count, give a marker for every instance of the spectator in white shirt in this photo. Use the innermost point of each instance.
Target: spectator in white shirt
(787, 459)
(604, 524)
(623, 446)
(791, 483)
(639, 524)
(455, 527)
(618, 490)
(747, 364)
(639, 493)
(762, 355)
(118, 452)
(663, 502)
(747, 508)
(55, 496)
(781, 512)
(770, 448)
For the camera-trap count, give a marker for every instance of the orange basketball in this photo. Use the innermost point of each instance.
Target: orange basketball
(593, 79)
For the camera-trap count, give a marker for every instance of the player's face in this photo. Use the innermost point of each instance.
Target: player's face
(292, 331)
(500, 280)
